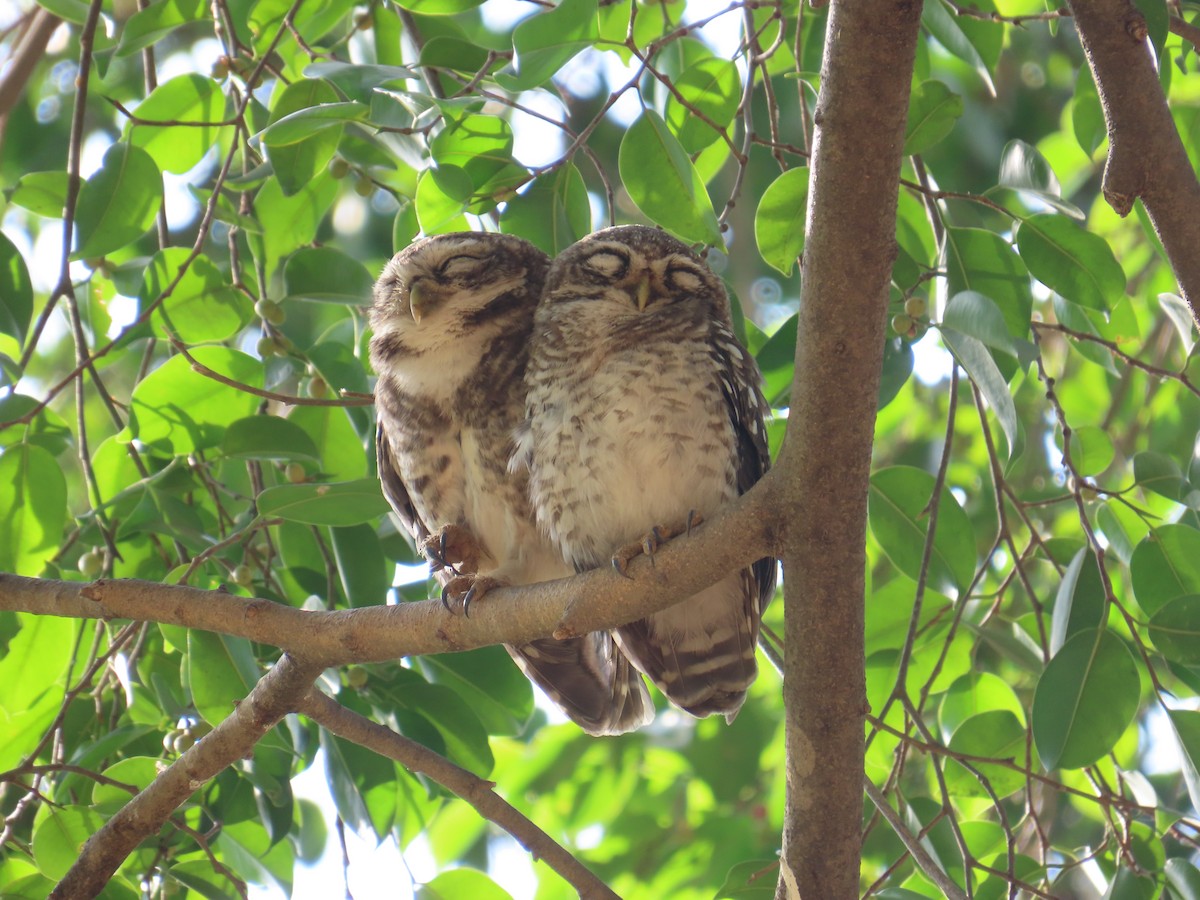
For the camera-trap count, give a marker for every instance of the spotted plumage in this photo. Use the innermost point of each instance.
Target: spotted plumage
(451, 321)
(643, 410)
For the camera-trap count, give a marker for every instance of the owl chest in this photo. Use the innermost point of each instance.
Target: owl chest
(649, 441)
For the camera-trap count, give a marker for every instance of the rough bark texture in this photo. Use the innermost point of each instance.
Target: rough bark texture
(850, 246)
(1146, 158)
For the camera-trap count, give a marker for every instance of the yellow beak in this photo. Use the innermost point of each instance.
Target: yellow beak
(643, 292)
(419, 301)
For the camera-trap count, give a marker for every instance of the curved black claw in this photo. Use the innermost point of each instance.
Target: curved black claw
(445, 601)
(466, 601)
(437, 556)
(620, 565)
(694, 518)
(652, 542)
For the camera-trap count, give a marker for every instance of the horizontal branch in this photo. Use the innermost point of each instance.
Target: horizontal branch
(351, 726)
(275, 695)
(597, 600)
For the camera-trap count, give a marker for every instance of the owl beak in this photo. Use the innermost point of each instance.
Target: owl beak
(419, 301)
(643, 292)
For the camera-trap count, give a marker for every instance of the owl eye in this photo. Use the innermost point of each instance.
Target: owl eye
(684, 278)
(609, 264)
(462, 266)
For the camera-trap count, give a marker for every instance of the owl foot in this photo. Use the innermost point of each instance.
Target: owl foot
(467, 589)
(651, 541)
(452, 547)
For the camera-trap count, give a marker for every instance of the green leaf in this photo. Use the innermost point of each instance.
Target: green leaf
(897, 369)
(1186, 724)
(297, 158)
(182, 411)
(1084, 700)
(985, 263)
(323, 273)
(1165, 565)
(190, 99)
(1175, 630)
(1024, 169)
(16, 291)
(933, 112)
(553, 213)
(222, 670)
(439, 7)
(663, 183)
(479, 145)
(1077, 264)
(459, 726)
(33, 495)
(449, 52)
(137, 771)
(977, 316)
(358, 779)
(936, 17)
(202, 306)
(1158, 20)
(712, 87)
(489, 682)
(269, 438)
(899, 521)
(1159, 473)
(1091, 450)
(1076, 318)
(982, 369)
(458, 883)
(1080, 604)
(975, 693)
(60, 836)
(443, 195)
(44, 193)
(997, 734)
(776, 359)
(148, 26)
(358, 80)
(779, 221)
(1087, 115)
(35, 661)
(289, 222)
(544, 42)
(1182, 876)
(341, 503)
(362, 568)
(117, 205)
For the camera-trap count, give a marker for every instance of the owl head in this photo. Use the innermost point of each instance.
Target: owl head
(635, 270)
(443, 287)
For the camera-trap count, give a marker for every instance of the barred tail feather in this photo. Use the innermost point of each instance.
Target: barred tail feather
(590, 680)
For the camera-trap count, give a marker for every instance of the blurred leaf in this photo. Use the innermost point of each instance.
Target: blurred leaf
(1024, 169)
(779, 221)
(776, 359)
(1159, 473)
(1087, 115)
(936, 17)
(33, 495)
(60, 836)
(897, 369)
(16, 291)
(996, 734)
(933, 112)
(439, 7)
(1180, 315)
(899, 519)
(986, 376)
(544, 42)
(552, 213)
(117, 205)
(1076, 263)
(490, 683)
(270, 438)
(323, 273)
(358, 80)
(1091, 450)
(296, 127)
(148, 26)
(1084, 700)
(222, 671)
(459, 883)
(361, 565)
(340, 504)
(1175, 630)
(661, 180)
(443, 195)
(202, 305)
(1183, 877)
(305, 145)
(1165, 565)
(44, 193)
(977, 316)
(984, 262)
(1080, 604)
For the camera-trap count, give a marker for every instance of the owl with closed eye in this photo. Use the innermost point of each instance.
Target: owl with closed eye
(451, 321)
(644, 413)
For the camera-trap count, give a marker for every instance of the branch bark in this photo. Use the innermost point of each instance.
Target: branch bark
(850, 246)
(345, 723)
(592, 601)
(1146, 157)
(273, 697)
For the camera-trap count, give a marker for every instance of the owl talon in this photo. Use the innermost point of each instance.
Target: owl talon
(693, 519)
(468, 589)
(452, 548)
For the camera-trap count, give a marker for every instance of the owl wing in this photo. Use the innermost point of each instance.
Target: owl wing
(395, 490)
(748, 412)
(589, 679)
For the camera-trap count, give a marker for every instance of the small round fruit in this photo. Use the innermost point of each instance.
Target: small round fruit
(242, 575)
(294, 472)
(364, 187)
(220, 69)
(317, 388)
(363, 22)
(356, 677)
(266, 346)
(916, 306)
(339, 168)
(183, 742)
(270, 311)
(200, 729)
(91, 564)
(901, 323)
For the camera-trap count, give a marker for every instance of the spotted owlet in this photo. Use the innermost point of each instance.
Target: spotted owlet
(644, 412)
(451, 319)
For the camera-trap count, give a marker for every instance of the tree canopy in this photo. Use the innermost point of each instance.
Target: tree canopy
(197, 200)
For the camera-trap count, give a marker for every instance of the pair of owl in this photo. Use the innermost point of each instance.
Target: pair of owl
(538, 419)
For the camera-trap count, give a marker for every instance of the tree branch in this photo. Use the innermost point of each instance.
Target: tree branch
(347, 724)
(272, 698)
(1146, 158)
(592, 601)
(923, 860)
(860, 122)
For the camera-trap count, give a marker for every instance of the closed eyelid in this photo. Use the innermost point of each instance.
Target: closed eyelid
(608, 263)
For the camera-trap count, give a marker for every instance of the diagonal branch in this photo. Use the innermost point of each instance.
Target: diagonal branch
(345, 723)
(1146, 157)
(272, 698)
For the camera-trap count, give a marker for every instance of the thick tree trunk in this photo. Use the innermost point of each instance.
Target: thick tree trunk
(850, 245)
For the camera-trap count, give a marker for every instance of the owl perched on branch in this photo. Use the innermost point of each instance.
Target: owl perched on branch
(451, 318)
(644, 413)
